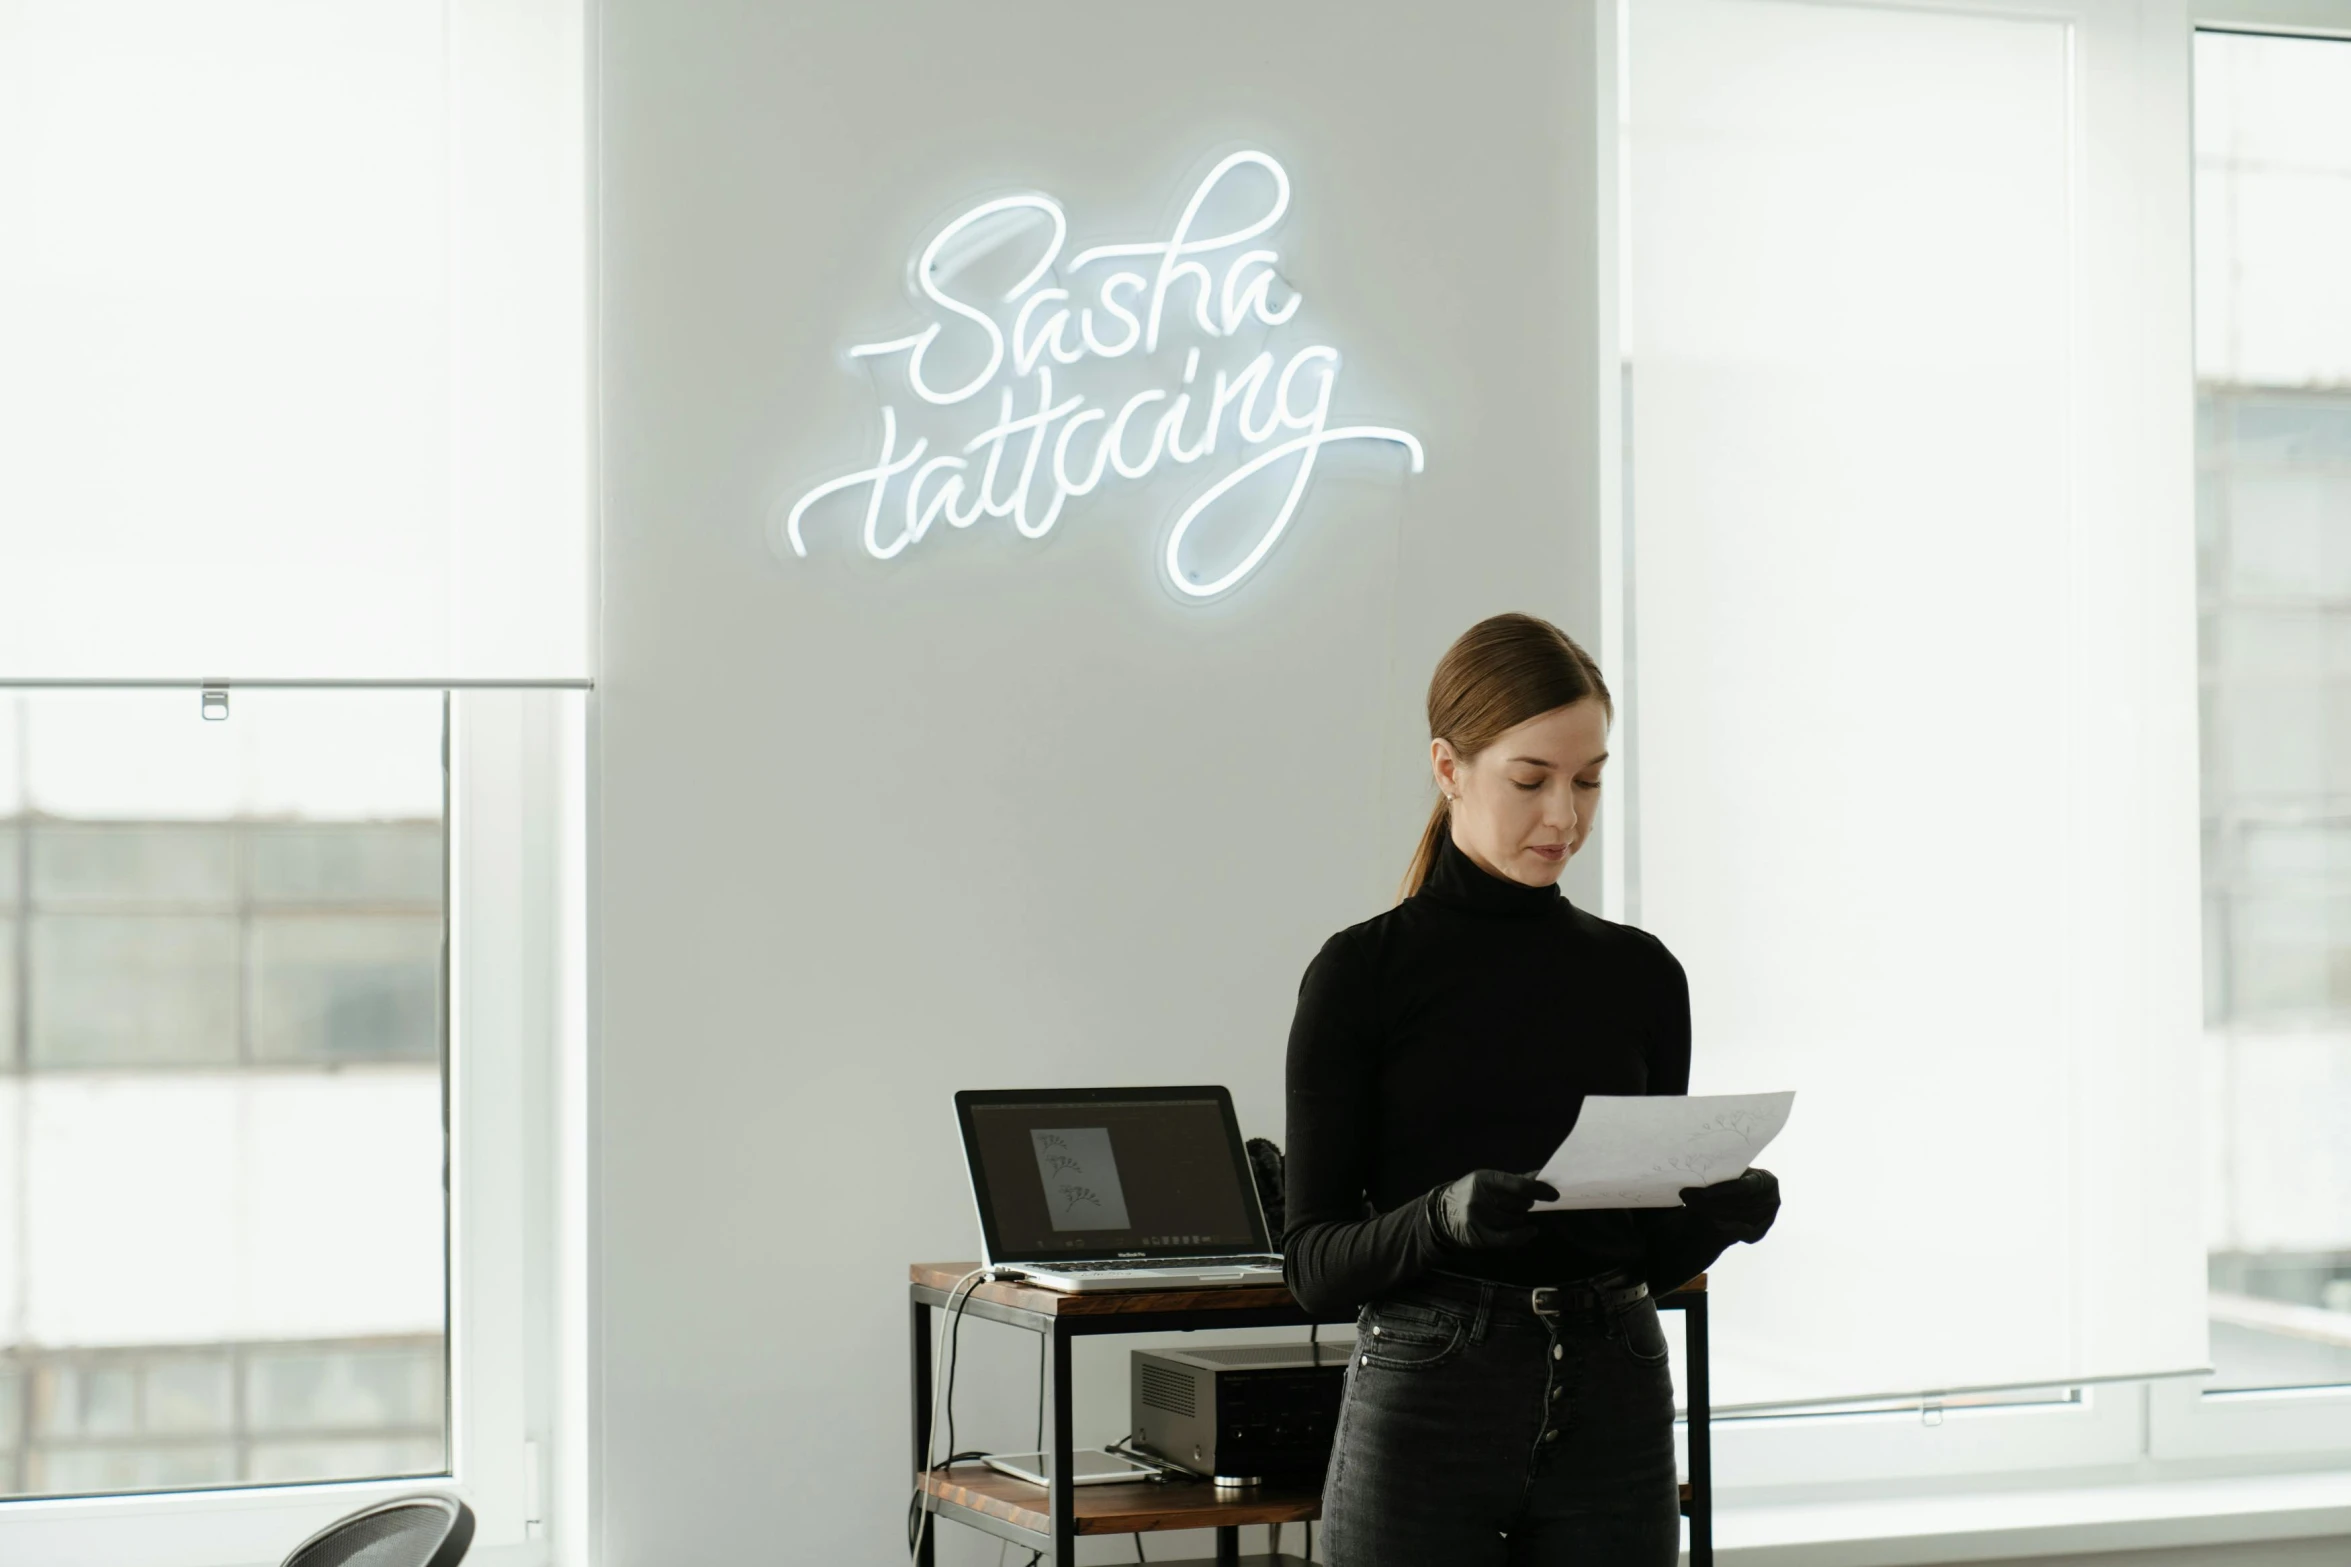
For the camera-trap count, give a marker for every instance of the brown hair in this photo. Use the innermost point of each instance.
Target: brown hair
(1502, 672)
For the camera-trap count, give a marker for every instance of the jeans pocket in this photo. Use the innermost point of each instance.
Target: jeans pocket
(1405, 1337)
(1642, 1335)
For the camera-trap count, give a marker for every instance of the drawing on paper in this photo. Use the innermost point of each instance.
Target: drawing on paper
(1080, 1178)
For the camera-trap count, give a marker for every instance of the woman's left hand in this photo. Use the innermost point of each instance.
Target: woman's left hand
(1741, 1207)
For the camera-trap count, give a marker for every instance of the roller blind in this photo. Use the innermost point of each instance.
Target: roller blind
(291, 340)
(1914, 674)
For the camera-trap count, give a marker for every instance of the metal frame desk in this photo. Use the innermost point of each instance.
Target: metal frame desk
(1014, 1510)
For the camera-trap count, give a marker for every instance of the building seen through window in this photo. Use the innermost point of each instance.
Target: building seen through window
(222, 1003)
(2273, 326)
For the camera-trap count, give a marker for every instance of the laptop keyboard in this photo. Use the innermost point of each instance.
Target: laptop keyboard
(1155, 1264)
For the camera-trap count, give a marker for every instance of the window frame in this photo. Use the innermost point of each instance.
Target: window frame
(516, 1162)
(1828, 1456)
(2286, 18)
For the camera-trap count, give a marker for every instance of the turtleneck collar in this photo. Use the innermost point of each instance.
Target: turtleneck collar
(1460, 882)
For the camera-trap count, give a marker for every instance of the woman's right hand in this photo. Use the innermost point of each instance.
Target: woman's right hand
(1487, 1209)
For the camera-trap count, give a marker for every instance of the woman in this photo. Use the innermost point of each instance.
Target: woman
(1509, 1401)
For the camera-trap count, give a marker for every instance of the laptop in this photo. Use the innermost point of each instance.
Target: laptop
(1114, 1188)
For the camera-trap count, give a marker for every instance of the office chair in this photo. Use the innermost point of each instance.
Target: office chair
(415, 1531)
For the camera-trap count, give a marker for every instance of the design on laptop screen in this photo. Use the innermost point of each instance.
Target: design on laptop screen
(1104, 1177)
(1081, 1178)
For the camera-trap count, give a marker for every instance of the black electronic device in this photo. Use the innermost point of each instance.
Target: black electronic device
(1115, 1188)
(1239, 1415)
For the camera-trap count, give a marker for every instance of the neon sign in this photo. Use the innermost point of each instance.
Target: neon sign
(1103, 304)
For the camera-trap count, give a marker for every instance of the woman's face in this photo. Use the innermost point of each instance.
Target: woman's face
(1525, 804)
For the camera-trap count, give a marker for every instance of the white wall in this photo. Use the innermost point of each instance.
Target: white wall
(1003, 812)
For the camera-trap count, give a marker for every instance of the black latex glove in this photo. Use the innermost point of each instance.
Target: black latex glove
(1487, 1209)
(1741, 1207)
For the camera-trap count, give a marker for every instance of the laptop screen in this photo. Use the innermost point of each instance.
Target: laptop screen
(1080, 1174)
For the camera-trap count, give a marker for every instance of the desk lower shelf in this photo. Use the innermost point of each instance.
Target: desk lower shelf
(1129, 1507)
(1140, 1507)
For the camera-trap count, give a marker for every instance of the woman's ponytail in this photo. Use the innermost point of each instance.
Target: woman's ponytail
(1424, 858)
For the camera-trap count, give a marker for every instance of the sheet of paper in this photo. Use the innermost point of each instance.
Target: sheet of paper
(1639, 1152)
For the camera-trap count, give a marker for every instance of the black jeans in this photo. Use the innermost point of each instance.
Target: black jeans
(1478, 1433)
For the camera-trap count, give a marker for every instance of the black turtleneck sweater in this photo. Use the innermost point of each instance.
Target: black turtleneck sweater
(1459, 1031)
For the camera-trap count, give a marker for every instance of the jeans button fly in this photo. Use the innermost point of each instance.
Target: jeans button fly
(1558, 1351)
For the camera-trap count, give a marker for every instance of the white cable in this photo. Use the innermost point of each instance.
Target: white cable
(939, 1383)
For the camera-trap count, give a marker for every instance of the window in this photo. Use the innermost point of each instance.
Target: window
(243, 1266)
(295, 393)
(223, 1129)
(176, 1417)
(2273, 207)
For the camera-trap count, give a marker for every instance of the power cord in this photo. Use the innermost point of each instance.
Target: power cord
(918, 1520)
(915, 1511)
(954, 1357)
(1160, 1468)
(1038, 1556)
